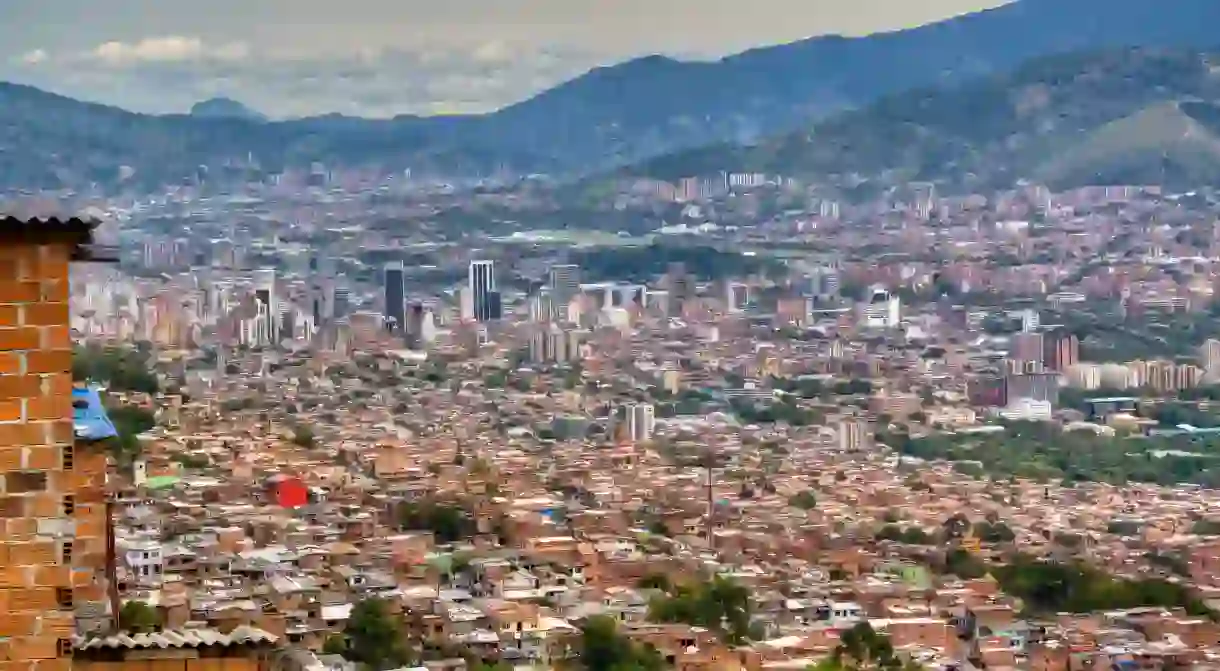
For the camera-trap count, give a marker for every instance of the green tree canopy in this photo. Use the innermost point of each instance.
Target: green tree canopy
(448, 522)
(373, 637)
(604, 648)
(805, 500)
(119, 369)
(139, 617)
(720, 604)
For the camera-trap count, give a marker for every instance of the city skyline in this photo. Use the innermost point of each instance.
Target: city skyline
(373, 58)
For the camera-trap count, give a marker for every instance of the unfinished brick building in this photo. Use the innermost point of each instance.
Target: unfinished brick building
(52, 481)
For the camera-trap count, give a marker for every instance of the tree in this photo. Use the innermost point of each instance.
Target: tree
(139, 617)
(721, 605)
(862, 648)
(119, 369)
(1050, 587)
(993, 532)
(303, 436)
(1206, 527)
(964, 565)
(448, 523)
(955, 527)
(335, 644)
(129, 422)
(655, 581)
(804, 500)
(604, 648)
(374, 637)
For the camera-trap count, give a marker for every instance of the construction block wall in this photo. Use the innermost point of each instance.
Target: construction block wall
(38, 477)
(204, 664)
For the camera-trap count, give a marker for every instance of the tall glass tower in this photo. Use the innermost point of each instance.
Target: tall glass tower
(482, 282)
(395, 296)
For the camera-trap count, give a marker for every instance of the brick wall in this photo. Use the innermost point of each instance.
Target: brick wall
(37, 485)
(206, 664)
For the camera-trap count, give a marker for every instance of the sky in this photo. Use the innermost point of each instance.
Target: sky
(378, 58)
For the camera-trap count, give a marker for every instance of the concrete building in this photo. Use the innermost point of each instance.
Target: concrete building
(563, 279)
(641, 420)
(881, 310)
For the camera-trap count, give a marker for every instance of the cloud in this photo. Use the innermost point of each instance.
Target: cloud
(169, 49)
(496, 51)
(34, 57)
(169, 74)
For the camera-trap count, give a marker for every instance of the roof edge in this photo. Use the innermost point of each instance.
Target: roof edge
(74, 231)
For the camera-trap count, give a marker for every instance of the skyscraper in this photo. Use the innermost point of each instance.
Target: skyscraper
(343, 302)
(482, 284)
(544, 306)
(641, 419)
(395, 296)
(564, 281)
(268, 309)
(1061, 350)
(413, 327)
(679, 285)
(1027, 349)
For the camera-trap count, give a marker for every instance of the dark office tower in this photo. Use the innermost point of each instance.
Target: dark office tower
(679, 285)
(564, 281)
(482, 283)
(495, 306)
(395, 296)
(413, 328)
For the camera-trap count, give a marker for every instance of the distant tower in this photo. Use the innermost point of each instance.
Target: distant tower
(483, 294)
(395, 295)
(564, 281)
(268, 306)
(641, 420)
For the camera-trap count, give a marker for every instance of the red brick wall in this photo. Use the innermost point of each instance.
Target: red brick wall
(35, 433)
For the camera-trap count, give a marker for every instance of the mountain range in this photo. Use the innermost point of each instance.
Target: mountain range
(1116, 116)
(225, 108)
(610, 116)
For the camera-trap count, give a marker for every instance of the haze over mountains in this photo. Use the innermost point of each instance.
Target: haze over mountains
(610, 116)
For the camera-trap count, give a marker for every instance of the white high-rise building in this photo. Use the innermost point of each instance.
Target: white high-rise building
(268, 306)
(466, 304)
(641, 420)
(824, 282)
(544, 306)
(882, 309)
(1031, 320)
(1209, 359)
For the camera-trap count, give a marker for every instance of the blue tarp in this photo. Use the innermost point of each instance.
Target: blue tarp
(89, 416)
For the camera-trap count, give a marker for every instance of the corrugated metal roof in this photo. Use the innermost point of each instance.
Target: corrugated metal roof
(89, 418)
(178, 638)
